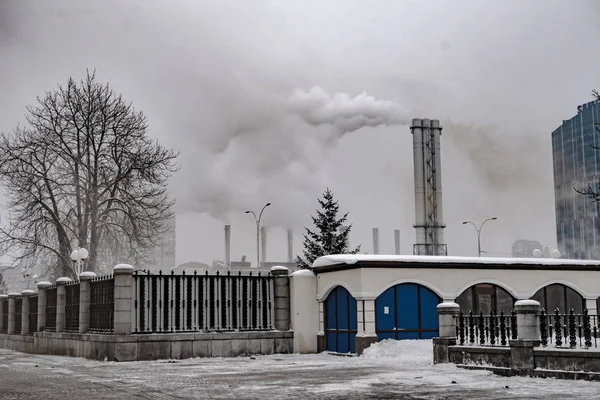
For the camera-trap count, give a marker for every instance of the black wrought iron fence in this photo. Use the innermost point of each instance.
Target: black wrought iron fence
(569, 330)
(18, 314)
(72, 306)
(4, 315)
(33, 313)
(50, 309)
(184, 303)
(102, 293)
(486, 330)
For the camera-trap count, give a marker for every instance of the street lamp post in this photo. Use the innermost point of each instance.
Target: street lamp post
(257, 220)
(79, 256)
(479, 232)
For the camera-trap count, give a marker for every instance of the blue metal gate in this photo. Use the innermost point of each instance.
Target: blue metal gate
(340, 321)
(407, 311)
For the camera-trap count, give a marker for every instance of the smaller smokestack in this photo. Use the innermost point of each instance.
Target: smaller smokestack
(375, 240)
(290, 237)
(263, 239)
(228, 245)
(397, 240)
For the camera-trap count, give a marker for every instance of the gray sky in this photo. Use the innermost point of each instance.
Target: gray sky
(217, 80)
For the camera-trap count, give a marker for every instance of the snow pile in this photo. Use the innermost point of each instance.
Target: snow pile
(403, 352)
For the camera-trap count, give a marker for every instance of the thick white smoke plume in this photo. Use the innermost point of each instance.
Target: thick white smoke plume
(344, 112)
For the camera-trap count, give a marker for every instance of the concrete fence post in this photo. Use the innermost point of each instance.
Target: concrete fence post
(25, 294)
(11, 313)
(123, 275)
(2, 298)
(528, 336)
(61, 303)
(84, 300)
(447, 315)
(304, 311)
(42, 302)
(281, 283)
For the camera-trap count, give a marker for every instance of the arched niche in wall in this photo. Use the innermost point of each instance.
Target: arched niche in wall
(559, 296)
(485, 297)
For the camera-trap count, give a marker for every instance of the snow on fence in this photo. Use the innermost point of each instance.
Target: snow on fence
(188, 303)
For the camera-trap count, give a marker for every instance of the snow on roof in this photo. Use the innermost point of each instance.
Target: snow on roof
(350, 259)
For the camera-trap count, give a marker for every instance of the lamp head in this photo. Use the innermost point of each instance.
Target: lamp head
(268, 204)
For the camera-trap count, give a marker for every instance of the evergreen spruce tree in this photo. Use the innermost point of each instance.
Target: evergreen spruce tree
(327, 238)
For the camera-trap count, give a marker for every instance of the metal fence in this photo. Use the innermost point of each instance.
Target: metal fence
(50, 309)
(4, 315)
(102, 291)
(18, 314)
(569, 330)
(33, 313)
(486, 330)
(187, 303)
(72, 307)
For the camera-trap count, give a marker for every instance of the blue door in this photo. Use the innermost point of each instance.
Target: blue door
(340, 321)
(407, 311)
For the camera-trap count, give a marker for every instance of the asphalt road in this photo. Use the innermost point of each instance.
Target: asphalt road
(24, 376)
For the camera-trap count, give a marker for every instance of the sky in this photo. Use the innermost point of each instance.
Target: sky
(274, 101)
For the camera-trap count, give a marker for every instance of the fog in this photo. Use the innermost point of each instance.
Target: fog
(273, 101)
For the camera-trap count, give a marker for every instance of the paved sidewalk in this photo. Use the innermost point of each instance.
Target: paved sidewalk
(24, 376)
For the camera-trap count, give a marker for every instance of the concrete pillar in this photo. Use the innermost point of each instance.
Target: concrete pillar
(84, 300)
(528, 336)
(281, 283)
(304, 310)
(11, 313)
(123, 299)
(42, 302)
(366, 335)
(25, 294)
(2, 298)
(447, 314)
(61, 303)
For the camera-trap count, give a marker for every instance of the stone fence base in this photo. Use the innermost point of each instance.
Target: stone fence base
(151, 346)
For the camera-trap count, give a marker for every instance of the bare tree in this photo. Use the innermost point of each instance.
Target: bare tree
(83, 172)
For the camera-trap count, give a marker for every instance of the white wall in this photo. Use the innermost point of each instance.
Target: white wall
(370, 282)
(304, 310)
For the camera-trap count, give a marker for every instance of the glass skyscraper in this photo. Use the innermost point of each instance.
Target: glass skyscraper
(576, 159)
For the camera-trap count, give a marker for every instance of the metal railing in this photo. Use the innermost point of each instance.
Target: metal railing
(102, 291)
(486, 330)
(33, 313)
(187, 303)
(569, 330)
(18, 314)
(4, 315)
(50, 309)
(72, 307)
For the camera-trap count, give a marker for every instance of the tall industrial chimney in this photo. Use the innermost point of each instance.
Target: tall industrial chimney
(397, 240)
(290, 237)
(375, 240)
(263, 240)
(429, 223)
(228, 245)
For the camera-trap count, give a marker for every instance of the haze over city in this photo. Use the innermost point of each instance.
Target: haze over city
(261, 117)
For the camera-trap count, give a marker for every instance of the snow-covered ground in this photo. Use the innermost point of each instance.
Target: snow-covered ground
(388, 370)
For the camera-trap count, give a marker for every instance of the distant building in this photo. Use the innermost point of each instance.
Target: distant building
(523, 248)
(576, 163)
